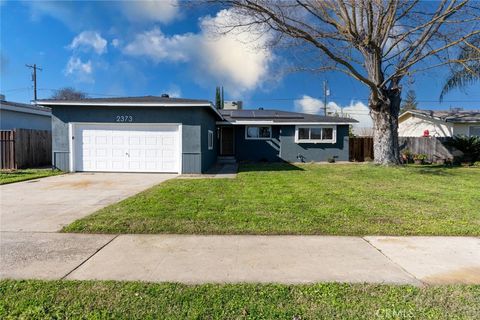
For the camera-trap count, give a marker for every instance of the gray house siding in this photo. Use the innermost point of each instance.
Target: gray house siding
(209, 157)
(195, 158)
(21, 120)
(257, 150)
(282, 146)
(292, 151)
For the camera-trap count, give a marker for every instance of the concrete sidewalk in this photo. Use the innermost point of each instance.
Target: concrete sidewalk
(229, 259)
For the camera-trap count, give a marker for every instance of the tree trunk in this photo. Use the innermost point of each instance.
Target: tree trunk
(385, 129)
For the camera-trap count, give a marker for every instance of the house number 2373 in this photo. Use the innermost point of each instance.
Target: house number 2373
(125, 118)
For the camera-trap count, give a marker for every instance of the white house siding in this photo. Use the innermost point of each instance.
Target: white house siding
(414, 126)
(464, 128)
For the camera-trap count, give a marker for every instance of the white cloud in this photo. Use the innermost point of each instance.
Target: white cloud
(80, 70)
(239, 61)
(356, 110)
(151, 10)
(308, 104)
(60, 10)
(115, 43)
(158, 47)
(89, 40)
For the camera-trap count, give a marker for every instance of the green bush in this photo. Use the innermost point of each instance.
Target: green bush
(469, 146)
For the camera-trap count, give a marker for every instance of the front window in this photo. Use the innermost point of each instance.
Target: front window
(315, 134)
(258, 132)
(474, 131)
(210, 139)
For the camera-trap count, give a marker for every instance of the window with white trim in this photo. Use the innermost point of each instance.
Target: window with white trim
(210, 139)
(258, 132)
(315, 134)
(474, 131)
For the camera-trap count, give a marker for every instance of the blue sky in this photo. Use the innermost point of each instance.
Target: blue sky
(123, 48)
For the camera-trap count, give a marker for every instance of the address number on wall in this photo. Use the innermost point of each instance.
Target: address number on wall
(124, 118)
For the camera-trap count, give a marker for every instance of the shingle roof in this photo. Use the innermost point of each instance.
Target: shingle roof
(141, 99)
(25, 106)
(279, 116)
(449, 115)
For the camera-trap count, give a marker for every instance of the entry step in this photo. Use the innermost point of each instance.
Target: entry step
(226, 159)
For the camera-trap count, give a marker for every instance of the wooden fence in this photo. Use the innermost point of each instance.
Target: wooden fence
(434, 148)
(25, 148)
(7, 149)
(361, 148)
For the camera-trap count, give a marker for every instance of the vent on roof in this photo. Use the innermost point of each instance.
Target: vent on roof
(165, 95)
(455, 109)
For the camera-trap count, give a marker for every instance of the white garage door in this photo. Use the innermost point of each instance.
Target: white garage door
(126, 147)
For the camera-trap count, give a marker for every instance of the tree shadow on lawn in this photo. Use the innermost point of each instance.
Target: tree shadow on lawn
(268, 166)
(437, 170)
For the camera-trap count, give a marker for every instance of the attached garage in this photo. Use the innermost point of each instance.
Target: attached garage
(133, 134)
(126, 147)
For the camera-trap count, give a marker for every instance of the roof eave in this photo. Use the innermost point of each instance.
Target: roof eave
(299, 123)
(128, 104)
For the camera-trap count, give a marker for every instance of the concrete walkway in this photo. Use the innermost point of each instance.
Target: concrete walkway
(202, 259)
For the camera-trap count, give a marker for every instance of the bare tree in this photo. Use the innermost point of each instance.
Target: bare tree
(69, 94)
(377, 42)
(410, 102)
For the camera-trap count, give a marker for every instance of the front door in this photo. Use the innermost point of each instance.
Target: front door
(227, 141)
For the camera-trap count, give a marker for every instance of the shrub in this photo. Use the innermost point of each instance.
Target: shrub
(420, 156)
(469, 146)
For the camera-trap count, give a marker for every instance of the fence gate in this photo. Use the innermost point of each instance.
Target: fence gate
(360, 149)
(7, 149)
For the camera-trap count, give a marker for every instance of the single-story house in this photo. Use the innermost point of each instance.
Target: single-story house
(415, 123)
(15, 115)
(162, 134)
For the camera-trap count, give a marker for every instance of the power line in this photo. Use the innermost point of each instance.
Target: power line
(262, 99)
(17, 89)
(356, 99)
(89, 93)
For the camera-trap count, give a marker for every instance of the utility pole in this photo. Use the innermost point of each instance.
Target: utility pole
(34, 78)
(326, 93)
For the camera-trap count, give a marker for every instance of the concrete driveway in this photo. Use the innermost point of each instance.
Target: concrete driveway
(48, 204)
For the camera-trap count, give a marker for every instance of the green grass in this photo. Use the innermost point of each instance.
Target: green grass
(135, 300)
(308, 199)
(11, 176)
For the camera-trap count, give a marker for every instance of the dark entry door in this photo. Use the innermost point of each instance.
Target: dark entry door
(227, 138)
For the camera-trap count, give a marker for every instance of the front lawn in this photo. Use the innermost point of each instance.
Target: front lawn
(11, 176)
(333, 199)
(136, 300)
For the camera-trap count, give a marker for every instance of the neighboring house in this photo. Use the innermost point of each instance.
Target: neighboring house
(161, 134)
(14, 115)
(414, 123)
